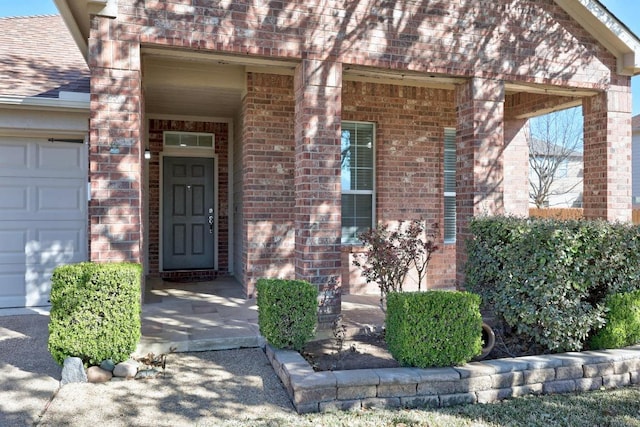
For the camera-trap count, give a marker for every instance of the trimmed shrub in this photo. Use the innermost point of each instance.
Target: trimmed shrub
(287, 312)
(549, 278)
(95, 312)
(433, 328)
(622, 327)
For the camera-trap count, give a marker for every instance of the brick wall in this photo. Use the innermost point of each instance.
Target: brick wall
(511, 40)
(607, 155)
(410, 124)
(115, 155)
(267, 166)
(155, 131)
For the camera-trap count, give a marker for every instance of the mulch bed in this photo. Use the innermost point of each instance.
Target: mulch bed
(369, 351)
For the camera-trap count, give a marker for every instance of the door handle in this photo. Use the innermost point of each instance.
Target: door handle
(210, 224)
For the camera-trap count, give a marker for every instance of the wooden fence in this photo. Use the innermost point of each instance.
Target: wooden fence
(571, 213)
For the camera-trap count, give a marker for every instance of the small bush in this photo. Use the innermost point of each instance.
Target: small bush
(433, 328)
(549, 278)
(95, 312)
(390, 254)
(622, 327)
(287, 312)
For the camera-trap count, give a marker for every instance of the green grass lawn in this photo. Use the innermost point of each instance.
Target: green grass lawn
(609, 408)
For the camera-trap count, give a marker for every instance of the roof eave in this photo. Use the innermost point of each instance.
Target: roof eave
(38, 103)
(608, 30)
(76, 16)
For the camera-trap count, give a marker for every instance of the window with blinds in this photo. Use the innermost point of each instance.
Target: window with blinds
(358, 179)
(449, 185)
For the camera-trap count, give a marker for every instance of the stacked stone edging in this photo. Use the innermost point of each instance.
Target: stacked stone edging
(476, 382)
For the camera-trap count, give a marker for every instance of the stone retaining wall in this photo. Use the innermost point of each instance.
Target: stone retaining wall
(476, 382)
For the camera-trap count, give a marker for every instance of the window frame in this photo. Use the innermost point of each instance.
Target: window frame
(449, 235)
(184, 133)
(371, 192)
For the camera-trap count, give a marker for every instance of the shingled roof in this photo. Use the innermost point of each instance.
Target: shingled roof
(635, 122)
(38, 57)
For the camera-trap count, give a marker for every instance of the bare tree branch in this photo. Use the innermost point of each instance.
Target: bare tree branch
(555, 142)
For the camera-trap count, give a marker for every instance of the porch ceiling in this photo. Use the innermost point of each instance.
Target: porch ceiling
(183, 86)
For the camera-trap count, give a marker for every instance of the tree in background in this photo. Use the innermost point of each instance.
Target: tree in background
(555, 146)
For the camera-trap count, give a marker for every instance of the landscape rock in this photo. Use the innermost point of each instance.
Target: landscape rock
(108, 365)
(73, 371)
(126, 369)
(96, 374)
(145, 374)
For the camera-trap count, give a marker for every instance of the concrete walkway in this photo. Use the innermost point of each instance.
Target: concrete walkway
(215, 316)
(228, 387)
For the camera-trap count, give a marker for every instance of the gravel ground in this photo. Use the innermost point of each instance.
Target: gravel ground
(232, 387)
(205, 388)
(28, 374)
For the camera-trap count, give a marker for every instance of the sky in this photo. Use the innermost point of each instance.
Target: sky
(628, 11)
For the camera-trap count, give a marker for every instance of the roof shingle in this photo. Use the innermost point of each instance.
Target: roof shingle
(38, 57)
(635, 122)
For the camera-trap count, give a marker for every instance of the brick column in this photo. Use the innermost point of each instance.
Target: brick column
(607, 154)
(115, 154)
(318, 93)
(479, 149)
(516, 167)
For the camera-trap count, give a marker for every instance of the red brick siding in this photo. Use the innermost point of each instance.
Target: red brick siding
(318, 90)
(521, 40)
(267, 166)
(607, 155)
(480, 161)
(410, 124)
(115, 209)
(155, 131)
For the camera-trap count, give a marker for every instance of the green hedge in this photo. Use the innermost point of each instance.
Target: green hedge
(95, 312)
(548, 278)
(287, 312)
(622, 326)
(433, 328)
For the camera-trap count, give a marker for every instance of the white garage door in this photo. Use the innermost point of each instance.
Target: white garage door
(43, 215)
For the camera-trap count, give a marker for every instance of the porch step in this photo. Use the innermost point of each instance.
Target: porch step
(158, 346)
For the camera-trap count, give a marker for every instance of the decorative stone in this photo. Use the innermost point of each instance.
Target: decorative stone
(96, 374)
(108, 365)
(126, 369)
(73, 371)
(146, 374)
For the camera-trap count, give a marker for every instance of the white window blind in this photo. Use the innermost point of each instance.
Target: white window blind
(449, 185)
(358, 179)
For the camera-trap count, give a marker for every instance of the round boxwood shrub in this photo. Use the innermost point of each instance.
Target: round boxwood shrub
(433, 328)
(95, 312)
(622, 325)
(287, 312)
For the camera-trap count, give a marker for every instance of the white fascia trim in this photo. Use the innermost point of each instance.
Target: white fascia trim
(43, 103)
(70, 21)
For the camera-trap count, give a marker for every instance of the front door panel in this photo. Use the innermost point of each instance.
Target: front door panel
(187, 213)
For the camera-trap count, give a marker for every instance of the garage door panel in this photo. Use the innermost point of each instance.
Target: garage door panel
(25, 157)
(43, 216)
(12, 240)
(65, 200)
(58, 157)
(30, 199)
(14, 157)
(13, 198)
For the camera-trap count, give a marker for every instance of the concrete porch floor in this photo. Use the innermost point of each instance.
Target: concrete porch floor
(215, 315)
